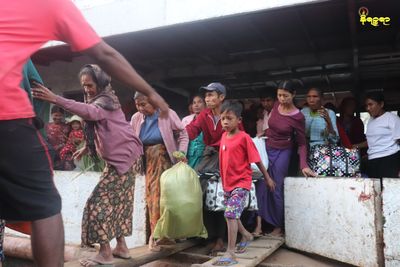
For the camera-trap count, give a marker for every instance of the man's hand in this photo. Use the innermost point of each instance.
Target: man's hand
(270, 184)
(43, 93)
(307, 172)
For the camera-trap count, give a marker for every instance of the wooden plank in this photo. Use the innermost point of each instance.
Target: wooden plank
(142, 255)
(257, 251)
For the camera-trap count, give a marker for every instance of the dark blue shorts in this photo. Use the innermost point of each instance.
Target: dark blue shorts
(27, 190)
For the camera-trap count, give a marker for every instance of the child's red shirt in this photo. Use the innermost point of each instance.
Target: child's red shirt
(236, 153)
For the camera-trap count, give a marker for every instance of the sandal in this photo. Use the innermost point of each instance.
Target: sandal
(225, 261)
(242, 247)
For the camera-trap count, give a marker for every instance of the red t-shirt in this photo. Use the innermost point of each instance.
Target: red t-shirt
(236, 153)
(25, 26)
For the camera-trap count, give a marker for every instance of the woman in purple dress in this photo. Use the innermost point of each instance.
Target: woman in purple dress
(286, 126)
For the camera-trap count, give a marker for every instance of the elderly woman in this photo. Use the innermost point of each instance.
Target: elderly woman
(160, 138)
(196, 146)
(383, 139)
(108, 211)
(286, 122)
(320, 122)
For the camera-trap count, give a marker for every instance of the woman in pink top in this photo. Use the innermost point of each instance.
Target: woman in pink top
(108, 211)
(160, 138)
(286, 123)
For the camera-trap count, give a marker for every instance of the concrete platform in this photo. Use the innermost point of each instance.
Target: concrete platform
(338, 218)
(75, 188)
(391, 227)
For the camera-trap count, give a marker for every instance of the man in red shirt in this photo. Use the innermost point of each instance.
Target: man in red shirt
(27, 191)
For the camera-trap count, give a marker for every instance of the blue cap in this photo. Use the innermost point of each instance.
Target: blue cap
(218, 87)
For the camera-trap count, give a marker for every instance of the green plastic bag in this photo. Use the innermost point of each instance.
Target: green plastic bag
(181, 204)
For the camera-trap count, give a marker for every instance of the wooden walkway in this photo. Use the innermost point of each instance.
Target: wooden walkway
(141, 255)
(257, 251)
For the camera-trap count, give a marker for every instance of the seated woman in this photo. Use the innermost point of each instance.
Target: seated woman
(383, 139)
(196, 146)
(108, 211)
(320, 122)
(160, 137)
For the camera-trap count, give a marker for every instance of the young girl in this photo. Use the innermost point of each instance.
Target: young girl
(75, 138)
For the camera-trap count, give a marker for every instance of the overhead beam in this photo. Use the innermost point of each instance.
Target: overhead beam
(178, 91)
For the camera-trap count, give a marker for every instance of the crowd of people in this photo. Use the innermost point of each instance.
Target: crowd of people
(205, 137)
(213, 138)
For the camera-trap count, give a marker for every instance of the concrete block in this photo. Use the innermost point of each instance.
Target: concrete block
(339, 218)
(391, 226)
(75, 188)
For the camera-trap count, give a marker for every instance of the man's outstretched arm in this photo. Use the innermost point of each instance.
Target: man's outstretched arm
(112, 62)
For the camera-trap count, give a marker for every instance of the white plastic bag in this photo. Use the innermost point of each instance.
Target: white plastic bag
(260, 145)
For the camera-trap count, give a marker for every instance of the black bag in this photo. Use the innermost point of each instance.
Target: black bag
(333, 160)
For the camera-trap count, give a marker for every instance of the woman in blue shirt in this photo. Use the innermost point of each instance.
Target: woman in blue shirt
(320, 122)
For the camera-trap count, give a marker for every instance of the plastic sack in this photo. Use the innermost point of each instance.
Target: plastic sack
(181, 204)
(262, 150)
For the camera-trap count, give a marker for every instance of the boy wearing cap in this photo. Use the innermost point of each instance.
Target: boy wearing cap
(208, 122)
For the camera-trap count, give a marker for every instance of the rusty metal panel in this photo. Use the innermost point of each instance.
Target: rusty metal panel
(391, 226)
(339, 218)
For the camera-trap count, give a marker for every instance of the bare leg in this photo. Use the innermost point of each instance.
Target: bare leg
(246, 236)
(153, 245)
(258, 230)
(232, 234)
(48, 241)
(121, 250)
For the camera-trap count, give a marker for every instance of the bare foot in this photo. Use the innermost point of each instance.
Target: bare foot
(277, 232)
(218, 247)
(96, 260)
(165, 242)
(121, 252)
(247, 237)
(153, 245)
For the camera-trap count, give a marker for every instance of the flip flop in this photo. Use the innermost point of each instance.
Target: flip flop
(225, 261)
(242, 247)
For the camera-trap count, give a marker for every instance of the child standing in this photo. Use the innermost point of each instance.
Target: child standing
(75, 138)
(237, 151)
